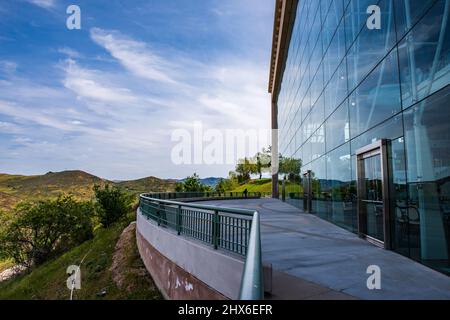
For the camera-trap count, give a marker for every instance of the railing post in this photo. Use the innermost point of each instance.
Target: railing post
(179, 220)
(216, 229)
(158, 214)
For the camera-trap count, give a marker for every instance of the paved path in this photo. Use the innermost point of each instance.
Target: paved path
(321, 256)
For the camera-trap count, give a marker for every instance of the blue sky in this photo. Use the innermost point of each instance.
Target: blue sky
(106, 98)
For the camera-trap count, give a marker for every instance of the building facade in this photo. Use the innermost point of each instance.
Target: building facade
(361, 98)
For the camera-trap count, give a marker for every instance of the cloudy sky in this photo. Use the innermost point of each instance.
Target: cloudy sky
(107, 98)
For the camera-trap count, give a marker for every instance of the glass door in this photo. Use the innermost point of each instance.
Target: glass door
(373, 206)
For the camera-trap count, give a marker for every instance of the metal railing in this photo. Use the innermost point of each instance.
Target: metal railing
(230, 229)
(198, 196)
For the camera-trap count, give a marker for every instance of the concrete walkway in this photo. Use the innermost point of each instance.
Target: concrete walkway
(314, 259)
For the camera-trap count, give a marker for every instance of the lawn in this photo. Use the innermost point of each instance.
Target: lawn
(265, 186)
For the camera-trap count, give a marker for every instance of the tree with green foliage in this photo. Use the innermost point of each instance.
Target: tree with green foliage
(179, 187)
(262, 162)
(37, 231)
(192, 184)
(113, 204)
(227, 184)
(244, 169)
(224, 185)
(290, 167)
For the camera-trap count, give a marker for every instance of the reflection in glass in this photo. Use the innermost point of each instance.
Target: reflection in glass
(427, 142)
(377, 98)
(371, 45)
(339, 188)
(425, 55)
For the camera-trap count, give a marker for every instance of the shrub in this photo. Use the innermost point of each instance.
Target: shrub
(113, 204)
(37, 231)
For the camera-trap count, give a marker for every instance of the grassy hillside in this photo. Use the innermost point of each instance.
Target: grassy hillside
(48, 281)
(257, 185)
(265, 185)
(14, 188)
(147, 184)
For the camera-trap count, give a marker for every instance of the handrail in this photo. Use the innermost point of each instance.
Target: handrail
(252, 277)
(204, 207)
(230, 229)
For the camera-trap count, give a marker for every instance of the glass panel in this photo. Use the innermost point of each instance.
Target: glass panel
(404, 230)
(337, 127)
(335, 53)
(377, 98)
(427, 142)
(336, 90)
(425, 55)
(390, 129)
(318, 175)
(372, 197)
(355, 18)
(408, 12)
(371, 45)
(318, 143)
(339, 187)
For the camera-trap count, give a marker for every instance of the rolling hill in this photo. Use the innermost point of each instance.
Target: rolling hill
(14, 188)
(148, 184)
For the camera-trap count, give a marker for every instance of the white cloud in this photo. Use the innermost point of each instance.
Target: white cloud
(69, 52)
(134, 55)
(87, 84)
(46, 4)
(8, 66)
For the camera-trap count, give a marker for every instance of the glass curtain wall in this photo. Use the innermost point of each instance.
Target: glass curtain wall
(346, 86)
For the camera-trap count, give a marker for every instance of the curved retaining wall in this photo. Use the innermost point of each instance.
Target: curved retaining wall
(183, 268)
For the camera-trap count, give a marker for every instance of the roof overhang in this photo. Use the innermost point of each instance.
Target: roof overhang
(284, 18)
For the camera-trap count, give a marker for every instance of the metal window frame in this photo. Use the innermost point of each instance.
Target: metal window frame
(379, 147)
(307, 194)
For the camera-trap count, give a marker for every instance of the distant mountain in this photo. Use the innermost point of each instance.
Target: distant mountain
(14, 188)
(210, 181)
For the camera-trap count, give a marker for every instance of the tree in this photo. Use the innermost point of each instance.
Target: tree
(243, 169)
(192, 184)
(226, 184)
(220, 186)
(290, 167)
(179, 187)
(262, 161)
(37, 231)
(113, 204)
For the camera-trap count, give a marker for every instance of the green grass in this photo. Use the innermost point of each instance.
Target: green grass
(48, 281)
(259, 185)
(265, 185)
(5, 264)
